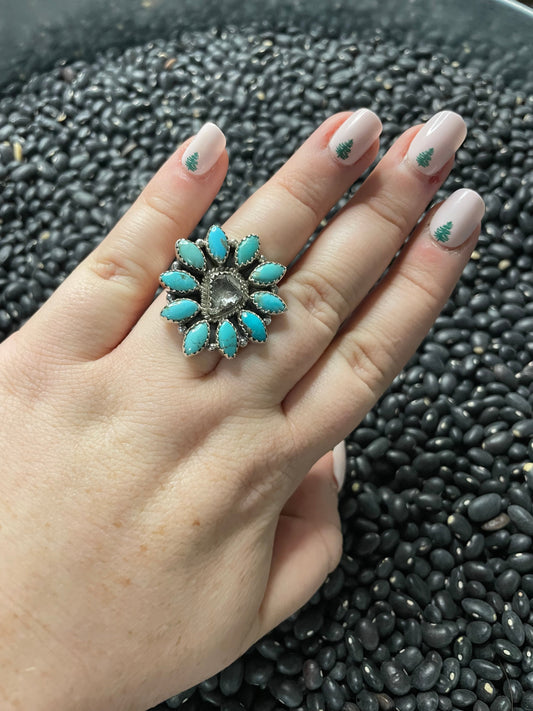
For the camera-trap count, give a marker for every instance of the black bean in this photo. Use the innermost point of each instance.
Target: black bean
(231, 678)
(520, 603)
(484, 507)
(449, 676)
(406, 703)
(513, 627)
(507, 650)
(521, 518)
(333, 694)
(367, 701)
(395, 678)
(426, 674)
(486, 669)
(485, 690)
(478, 632)
(521, 562)
(478, 609)
(371, 675)
(366, 632)
(507, 583)
(257, 671)
(286, 691)
(312, 675)
(462, 649)
(501, 703)
(427, 701)
(308, 623)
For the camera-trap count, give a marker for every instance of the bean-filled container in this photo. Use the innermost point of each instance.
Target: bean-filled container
(430, 607)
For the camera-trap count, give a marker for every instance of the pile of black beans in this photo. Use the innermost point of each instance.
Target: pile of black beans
(431, 605)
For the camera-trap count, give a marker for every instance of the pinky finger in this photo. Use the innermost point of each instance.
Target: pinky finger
(385, 331)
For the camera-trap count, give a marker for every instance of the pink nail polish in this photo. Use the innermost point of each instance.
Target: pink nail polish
(204, 150)
(457, 218)
(339, 463)
(437, 142)
(355, 136)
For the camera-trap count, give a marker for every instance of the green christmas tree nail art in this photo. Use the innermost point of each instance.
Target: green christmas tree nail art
(442, 233)
(344, 149)
(424, 159)
(192, 162)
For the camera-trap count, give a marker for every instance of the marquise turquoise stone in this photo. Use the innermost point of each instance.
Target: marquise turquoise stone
(190, 254)
(254, 325)
(267, 273)
(196, 338)
(247, 250)
(268, 302)
(180, 310)
(227, 339)
(179, 281)
(217, 243)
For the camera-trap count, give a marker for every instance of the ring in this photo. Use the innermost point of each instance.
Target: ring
(222, 293)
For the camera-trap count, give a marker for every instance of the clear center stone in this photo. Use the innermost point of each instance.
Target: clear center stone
(225, 294)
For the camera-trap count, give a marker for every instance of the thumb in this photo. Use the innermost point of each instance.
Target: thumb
(307, 544)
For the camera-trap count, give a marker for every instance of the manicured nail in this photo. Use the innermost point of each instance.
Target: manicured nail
(437, 142)
(457, 218)
(339, 463)
(204, 150)
(355, 136)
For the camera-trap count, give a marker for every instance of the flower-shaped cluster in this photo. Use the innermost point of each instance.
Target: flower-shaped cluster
(222, 293)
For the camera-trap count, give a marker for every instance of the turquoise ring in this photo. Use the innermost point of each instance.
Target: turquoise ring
(222, 293)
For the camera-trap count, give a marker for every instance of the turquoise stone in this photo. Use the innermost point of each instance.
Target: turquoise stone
(247, 250)
(217, 243)
(227, 339)
(196, 338)
(179, 281)
(190, 254)
(254, 325)
(268, 302)
(267, 273)
(180, 310)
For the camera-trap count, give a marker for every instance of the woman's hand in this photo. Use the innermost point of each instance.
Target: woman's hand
(158, 513)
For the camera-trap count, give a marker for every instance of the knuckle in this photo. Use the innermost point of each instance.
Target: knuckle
(323, 301)
(117, 262)
(369, 360)
(424, 294)
(391, 212)
(162, 210)
(303, 193)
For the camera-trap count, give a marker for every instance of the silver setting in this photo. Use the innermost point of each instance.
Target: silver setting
(224, 290)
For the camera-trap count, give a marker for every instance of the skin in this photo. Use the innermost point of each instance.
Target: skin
(159, 514)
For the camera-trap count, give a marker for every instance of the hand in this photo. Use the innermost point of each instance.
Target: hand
(158, 513)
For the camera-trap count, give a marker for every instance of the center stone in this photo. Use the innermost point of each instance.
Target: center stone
(225, 294)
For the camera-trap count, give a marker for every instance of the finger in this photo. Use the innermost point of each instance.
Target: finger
(307, 545)
(381, 336)
(354, 250)
(284, 212)
(97, 305)
(288, 208)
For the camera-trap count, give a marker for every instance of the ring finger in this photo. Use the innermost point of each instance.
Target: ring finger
(287, 209)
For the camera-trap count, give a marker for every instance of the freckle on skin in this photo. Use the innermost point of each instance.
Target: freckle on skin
(196, 522)
(143, 548)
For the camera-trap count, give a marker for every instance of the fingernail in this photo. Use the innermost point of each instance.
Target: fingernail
(355, 136)
(457, 218)
(339, 463)
(204, 150)
(437, 142)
